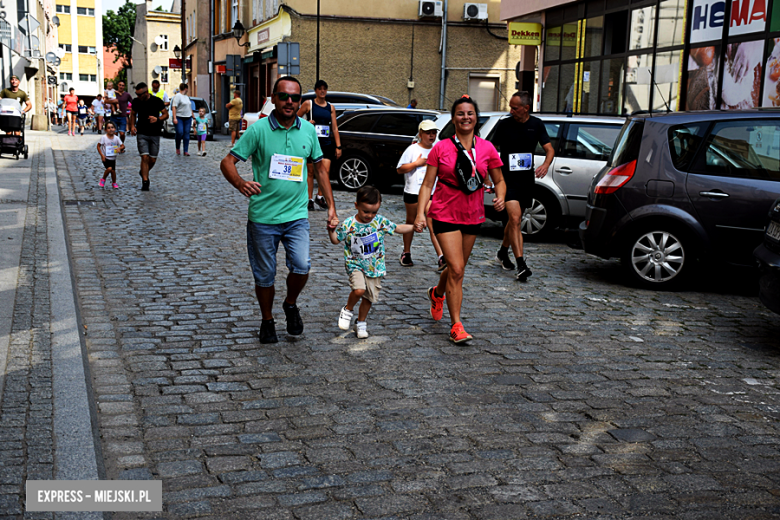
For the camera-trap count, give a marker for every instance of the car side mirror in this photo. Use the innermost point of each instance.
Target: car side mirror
(214, 112)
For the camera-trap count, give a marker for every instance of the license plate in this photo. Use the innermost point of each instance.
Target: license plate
(773, 231)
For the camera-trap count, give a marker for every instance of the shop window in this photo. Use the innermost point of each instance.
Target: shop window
(667, 81)
(594, 32)
(612, 86)
(590, 87)
(566, 91)
(671, 23)
(569, 39)
(772, 75)
(590, 141)
(642, 28)
(550, 89)
(552, 44)
(615, 32)
(638, 83)
(745, 149)
(742, 75)
(702, 87)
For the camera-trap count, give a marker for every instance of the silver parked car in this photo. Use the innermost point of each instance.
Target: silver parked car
(197, 103)
(582, 146)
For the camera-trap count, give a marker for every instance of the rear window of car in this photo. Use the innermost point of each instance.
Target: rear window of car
(745, 149)
(627, 143)
(590, 141)
(684, 140)
(397, 124)
(363, 123)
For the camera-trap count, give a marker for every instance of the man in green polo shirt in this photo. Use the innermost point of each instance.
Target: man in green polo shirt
(280, 146)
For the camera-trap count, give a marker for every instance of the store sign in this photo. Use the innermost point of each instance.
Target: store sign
(707, 20)
(525, 33)
(747, 16)
(565, 36)
(263, 36)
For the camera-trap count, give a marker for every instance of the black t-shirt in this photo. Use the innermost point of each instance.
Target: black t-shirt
(143, 109)
(512, 137)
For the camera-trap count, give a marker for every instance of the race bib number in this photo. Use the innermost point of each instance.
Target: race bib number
(520, 162)
(112, 151)
(322, 130)
(286, 168)
(202, 127)
(365, 246)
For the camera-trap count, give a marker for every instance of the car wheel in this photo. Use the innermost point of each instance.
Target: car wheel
(541, 218)
(353, 173)
(658, 257)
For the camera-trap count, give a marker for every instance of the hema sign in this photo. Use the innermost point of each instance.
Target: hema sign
(708, 17)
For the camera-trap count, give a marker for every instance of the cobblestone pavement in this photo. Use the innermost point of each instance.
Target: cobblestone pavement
(579, 397)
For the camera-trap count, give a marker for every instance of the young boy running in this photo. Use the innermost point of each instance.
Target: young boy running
(364, 253)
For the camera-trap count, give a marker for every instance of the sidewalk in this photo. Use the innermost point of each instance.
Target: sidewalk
(46, 427)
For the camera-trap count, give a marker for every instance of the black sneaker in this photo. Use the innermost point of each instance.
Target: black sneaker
(406, 260)
(442, 264)
(144, 185)
(321, 202)
(522, 270)
(294, 321)
(311, 205)
(268, 332)
(504, 261)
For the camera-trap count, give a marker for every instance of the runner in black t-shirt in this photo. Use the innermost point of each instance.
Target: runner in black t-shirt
(151, 112)
(516, 138)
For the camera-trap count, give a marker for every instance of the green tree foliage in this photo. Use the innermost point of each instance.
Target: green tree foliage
(118, 27)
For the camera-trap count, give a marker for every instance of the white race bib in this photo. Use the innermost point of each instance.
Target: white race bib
(112, 150)
(520, 162)
(322, 130)
(365, 246)
(286, 168)
(202, 128)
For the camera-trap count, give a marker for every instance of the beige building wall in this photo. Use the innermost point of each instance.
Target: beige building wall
(148, 25)
(381, 57)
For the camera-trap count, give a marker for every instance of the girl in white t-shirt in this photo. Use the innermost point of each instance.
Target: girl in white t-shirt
(108, 147)
(413, 165)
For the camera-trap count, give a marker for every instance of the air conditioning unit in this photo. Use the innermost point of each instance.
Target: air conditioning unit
(430, 9)
(475, 11)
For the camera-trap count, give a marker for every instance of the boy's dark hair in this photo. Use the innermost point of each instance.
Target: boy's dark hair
(368, 195)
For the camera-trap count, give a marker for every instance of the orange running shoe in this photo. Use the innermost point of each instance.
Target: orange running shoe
(458, 334)
(437, 304)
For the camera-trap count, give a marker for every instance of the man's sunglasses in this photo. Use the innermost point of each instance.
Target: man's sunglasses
(284, 96)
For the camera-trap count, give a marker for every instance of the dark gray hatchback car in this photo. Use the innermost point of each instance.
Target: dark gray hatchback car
(683, 186)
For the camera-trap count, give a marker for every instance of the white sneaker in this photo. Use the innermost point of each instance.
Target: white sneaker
(345, 319)
(360, 329)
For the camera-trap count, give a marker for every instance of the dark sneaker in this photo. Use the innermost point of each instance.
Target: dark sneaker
(442, 264)
(144, 185)
(311, 205)
(522, 271)
(406, 260)
(268, 332)
(294, 321)
(504, 261)
(320, 201)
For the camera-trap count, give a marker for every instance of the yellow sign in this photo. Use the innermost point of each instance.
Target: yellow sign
(525, 33)
(569, 35)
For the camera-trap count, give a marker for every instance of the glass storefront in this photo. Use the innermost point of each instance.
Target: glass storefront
(618, 57)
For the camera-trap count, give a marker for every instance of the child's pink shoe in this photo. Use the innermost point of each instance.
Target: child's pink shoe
(115, 185)
(102, 182)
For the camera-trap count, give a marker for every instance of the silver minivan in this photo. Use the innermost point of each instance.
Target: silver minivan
(582, 146)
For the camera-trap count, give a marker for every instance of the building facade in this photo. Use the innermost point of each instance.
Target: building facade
(619, 57)
(157, 34)
(80, 41)
(373, 47)
(196, 47)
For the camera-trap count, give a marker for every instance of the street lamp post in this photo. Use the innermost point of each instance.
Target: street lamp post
(177, 53)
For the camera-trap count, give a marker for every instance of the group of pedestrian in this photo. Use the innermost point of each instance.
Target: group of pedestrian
(443, 192)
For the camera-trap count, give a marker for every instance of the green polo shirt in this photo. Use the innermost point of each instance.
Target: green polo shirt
(280, 201)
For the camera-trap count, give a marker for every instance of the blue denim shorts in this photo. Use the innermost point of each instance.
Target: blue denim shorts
(262, 243)
(120, 122)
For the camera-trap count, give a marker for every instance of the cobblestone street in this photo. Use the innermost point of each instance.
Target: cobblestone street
(579, 397)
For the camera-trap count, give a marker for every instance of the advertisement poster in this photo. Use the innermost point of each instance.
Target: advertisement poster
(742, 75)
(747, 16)
(771, 83)
(707, 20)
(702, 78)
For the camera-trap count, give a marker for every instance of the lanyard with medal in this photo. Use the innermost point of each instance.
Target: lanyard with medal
(473, 182)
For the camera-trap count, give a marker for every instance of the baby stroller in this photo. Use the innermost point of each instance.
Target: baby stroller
(12, 120)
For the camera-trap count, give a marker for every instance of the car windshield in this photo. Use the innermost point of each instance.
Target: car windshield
(197, 104)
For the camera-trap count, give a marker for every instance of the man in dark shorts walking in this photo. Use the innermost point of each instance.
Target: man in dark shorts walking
(151, 112)
(516, 139)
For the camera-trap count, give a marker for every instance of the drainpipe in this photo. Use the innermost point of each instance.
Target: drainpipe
(443, 55)
(213, 71)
